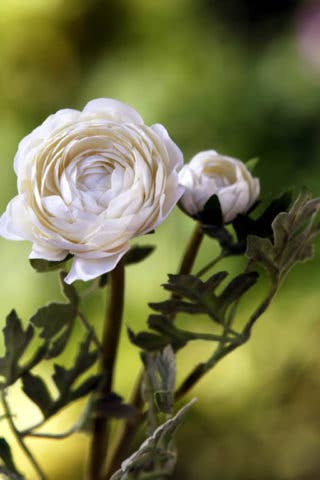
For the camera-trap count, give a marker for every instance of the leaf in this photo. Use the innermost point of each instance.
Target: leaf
(148, 341)
(293, 234)
(35, 388)
(65, 378)
(42, 266)
(52, 318)
(177, 306)
(16, 341)
(211, 213)
(156, 454)
(87, 386)
(235, 290)
(161, 371)
(56, 320)
(6, 456)
(252, 163)
(137, 253)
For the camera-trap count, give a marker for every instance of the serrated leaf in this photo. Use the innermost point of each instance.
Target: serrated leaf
(235, 290)
(148, 341)
(35, 388)
(7, 459)
(42, 266)
(156, 454)
(16, 341)
(293, 233)
(52, 319)
(65, 378)
(138, 254)
(177, 306)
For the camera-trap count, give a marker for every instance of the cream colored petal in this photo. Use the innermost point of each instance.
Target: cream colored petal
(113, 110)
(85, 269)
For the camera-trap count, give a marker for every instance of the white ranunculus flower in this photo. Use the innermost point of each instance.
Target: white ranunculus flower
(88, 182)
(210, 173)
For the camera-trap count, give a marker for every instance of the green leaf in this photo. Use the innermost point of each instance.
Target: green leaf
(137, 254)
(156, 454)
(148, 341)
(6, 457)
(161, 371)
(177, 306)
(65, 378)
(16, 341)
(293, 234)
(42, 266)
(57, 318)
(211, 213)
(252, 163)
(52, 319)
(35, 388)
(235, 290)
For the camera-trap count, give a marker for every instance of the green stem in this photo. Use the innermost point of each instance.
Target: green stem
(89, 328)
(110, 341)
(18, 437)
(130, 427)
(210, 265)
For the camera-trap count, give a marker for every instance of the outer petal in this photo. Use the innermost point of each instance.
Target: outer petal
(15, 223)
(47, 252)
(174, 152)
(114, 110)
(87, 269)
(35, 139)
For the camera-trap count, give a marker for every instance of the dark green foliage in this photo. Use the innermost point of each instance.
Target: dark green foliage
(211, 213)
(16, 341)
(293, 234)
(35, 388)
(245, 225)
(8, 467)
(43, 266)
(201, 296)
(137, 253)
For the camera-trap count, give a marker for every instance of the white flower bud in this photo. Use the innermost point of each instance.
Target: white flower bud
(210, 173)
(88, 182)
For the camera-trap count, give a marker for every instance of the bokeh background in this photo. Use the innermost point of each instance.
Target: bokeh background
(239, 76)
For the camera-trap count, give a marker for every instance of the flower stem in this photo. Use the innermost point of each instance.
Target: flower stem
(211, 264)
(110, 341)
(130, 427)
(18, 436)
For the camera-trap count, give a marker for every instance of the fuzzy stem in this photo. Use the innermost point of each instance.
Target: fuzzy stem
(110, 341)
(130, 427)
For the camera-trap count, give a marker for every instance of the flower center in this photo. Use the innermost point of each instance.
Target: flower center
(94, 174)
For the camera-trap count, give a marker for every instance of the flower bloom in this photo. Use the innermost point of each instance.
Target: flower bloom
(210, 173)
(88, 182)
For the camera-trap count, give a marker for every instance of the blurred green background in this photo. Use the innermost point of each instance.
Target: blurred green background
(239, 76)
